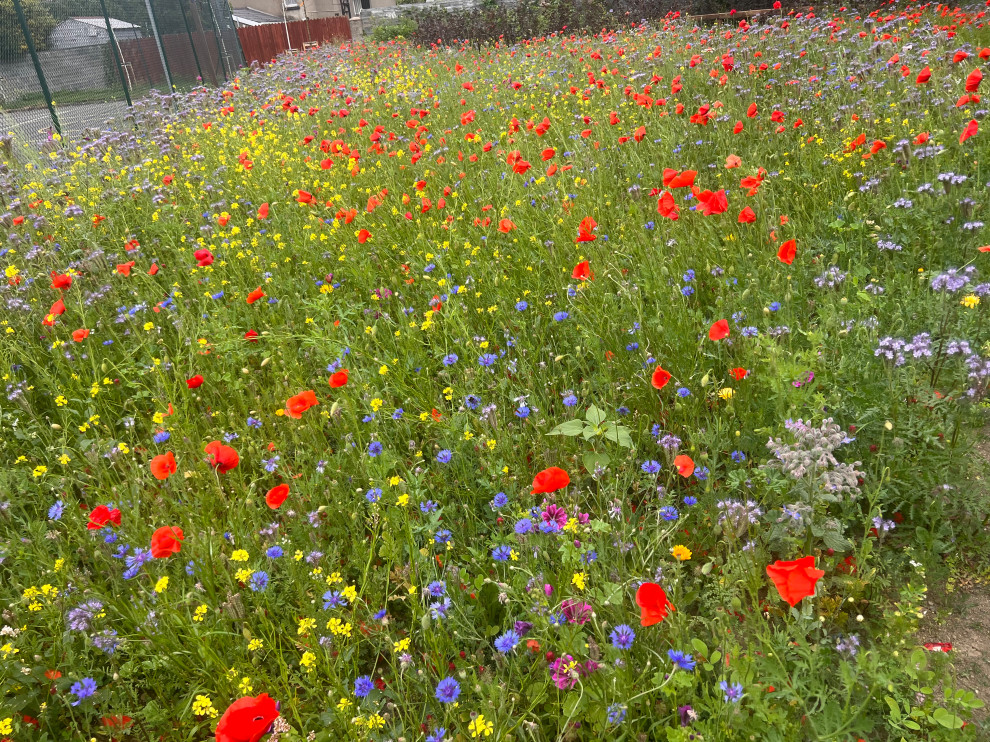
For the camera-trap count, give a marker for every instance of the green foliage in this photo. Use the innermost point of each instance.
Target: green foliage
(390, 31)
(40, 23)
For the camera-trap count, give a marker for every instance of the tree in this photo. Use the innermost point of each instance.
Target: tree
(40, 23)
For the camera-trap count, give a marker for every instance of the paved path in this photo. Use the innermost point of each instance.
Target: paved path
(34, 124)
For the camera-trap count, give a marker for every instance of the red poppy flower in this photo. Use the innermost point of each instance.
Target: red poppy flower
(548, 154)
(505, 226)
(163, 466)
(363, 236)
(666, 207)
(719, 330)
(304, 197)
(787, 252)
(203, 257)
(247, 719)
(153, 270)
(924, 76)
(338, 379)
(222, 458)
(263, 211)
(124, 269)
(582, 271)
(102, 515)
(550, 480)
(747, 216)
(195, 382)
(673, 179)
(738, 127)
(795, 580)
(255, 295)
(61, 280)
(973, 81)
(738, 373)
(972, 128)
(684, 465)
(166, 541)
(712, 202)
(660, 378)
(297, 405)
(80, 335)
(653, 603)
(732, 161)
(585, 229)
(751, 111)
(276, 496)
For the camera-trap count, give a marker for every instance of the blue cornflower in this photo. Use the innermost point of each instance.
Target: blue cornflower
(374, 448)
(622, 636)
(161, 436)
(472, 401)
(570, 400)
(558, 619)
(55, 511)
(738, 456)
(450, 359)
(368, 418)
(774, 307)
(437, 588)
(258, 581)
(500, 500)
(363, 686)
(379, 615)
(253, 422)
(690, 500)
(427, 507)
(668, 512)
(507, 642)
(524, 525)
(501, 553)
(632, 346)
(397, 415)
(688, 275)
(687, 290)
(274, 552)
(616, 714)
(551, 526)
(83, 689)
(445, 456)
(683, 392)
(438, 735)
(749, 332)
(521, 306)
(442, 536)
(650, 467)
(523, 411)
(680, 659)
(701, 473)
(560, 316)
(448, 690)
(732, 692)
(487, 359)
(439, 608)
(373, 495)
(270, 464)
(333, 599)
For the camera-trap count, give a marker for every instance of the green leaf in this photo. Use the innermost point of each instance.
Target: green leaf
(574, 703)
(895, 710)
(591, 460)
(571, 428)
(946, 719)
(716, 656)
(912, 725)
(594, 416)
(700, 647)
(834, 540)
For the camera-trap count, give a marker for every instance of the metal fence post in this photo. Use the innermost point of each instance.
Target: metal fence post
(37, 66)
(158, 43)
(185, 22)
(216, 37)
(116, 53)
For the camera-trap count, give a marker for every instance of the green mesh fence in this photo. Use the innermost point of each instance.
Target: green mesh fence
(70, 67)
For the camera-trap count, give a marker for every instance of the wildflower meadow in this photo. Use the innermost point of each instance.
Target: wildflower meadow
(616, 383)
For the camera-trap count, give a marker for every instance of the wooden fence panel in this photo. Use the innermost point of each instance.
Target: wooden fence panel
(263, 43)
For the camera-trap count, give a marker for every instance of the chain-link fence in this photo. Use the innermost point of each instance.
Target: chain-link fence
(70, 65)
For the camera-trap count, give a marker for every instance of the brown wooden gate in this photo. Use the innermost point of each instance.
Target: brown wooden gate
(263, 43)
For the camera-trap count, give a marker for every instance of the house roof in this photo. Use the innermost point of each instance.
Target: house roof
(252, 17)
(97, 21)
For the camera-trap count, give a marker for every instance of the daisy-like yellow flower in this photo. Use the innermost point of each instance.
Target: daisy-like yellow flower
(681, 553)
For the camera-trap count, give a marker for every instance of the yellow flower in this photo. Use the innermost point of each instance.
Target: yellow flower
(970, 302)
(308, 660)
(203, 706)
(383, 370)
(200, 613)
(239, 556)
(7, 726)
(305, 624)
(343, 704)
(255, 644)
(726, 393)
(245, 687)
(402, 501)
(481, 727)
(162, 585)
(681, 553)
(579, 580)
(39, 471)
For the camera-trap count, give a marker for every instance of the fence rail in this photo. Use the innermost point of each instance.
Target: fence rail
(263, 43)
(70, 65)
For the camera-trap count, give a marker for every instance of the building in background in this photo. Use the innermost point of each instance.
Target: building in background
(300, 10)
(251, 17)
(73, 33)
